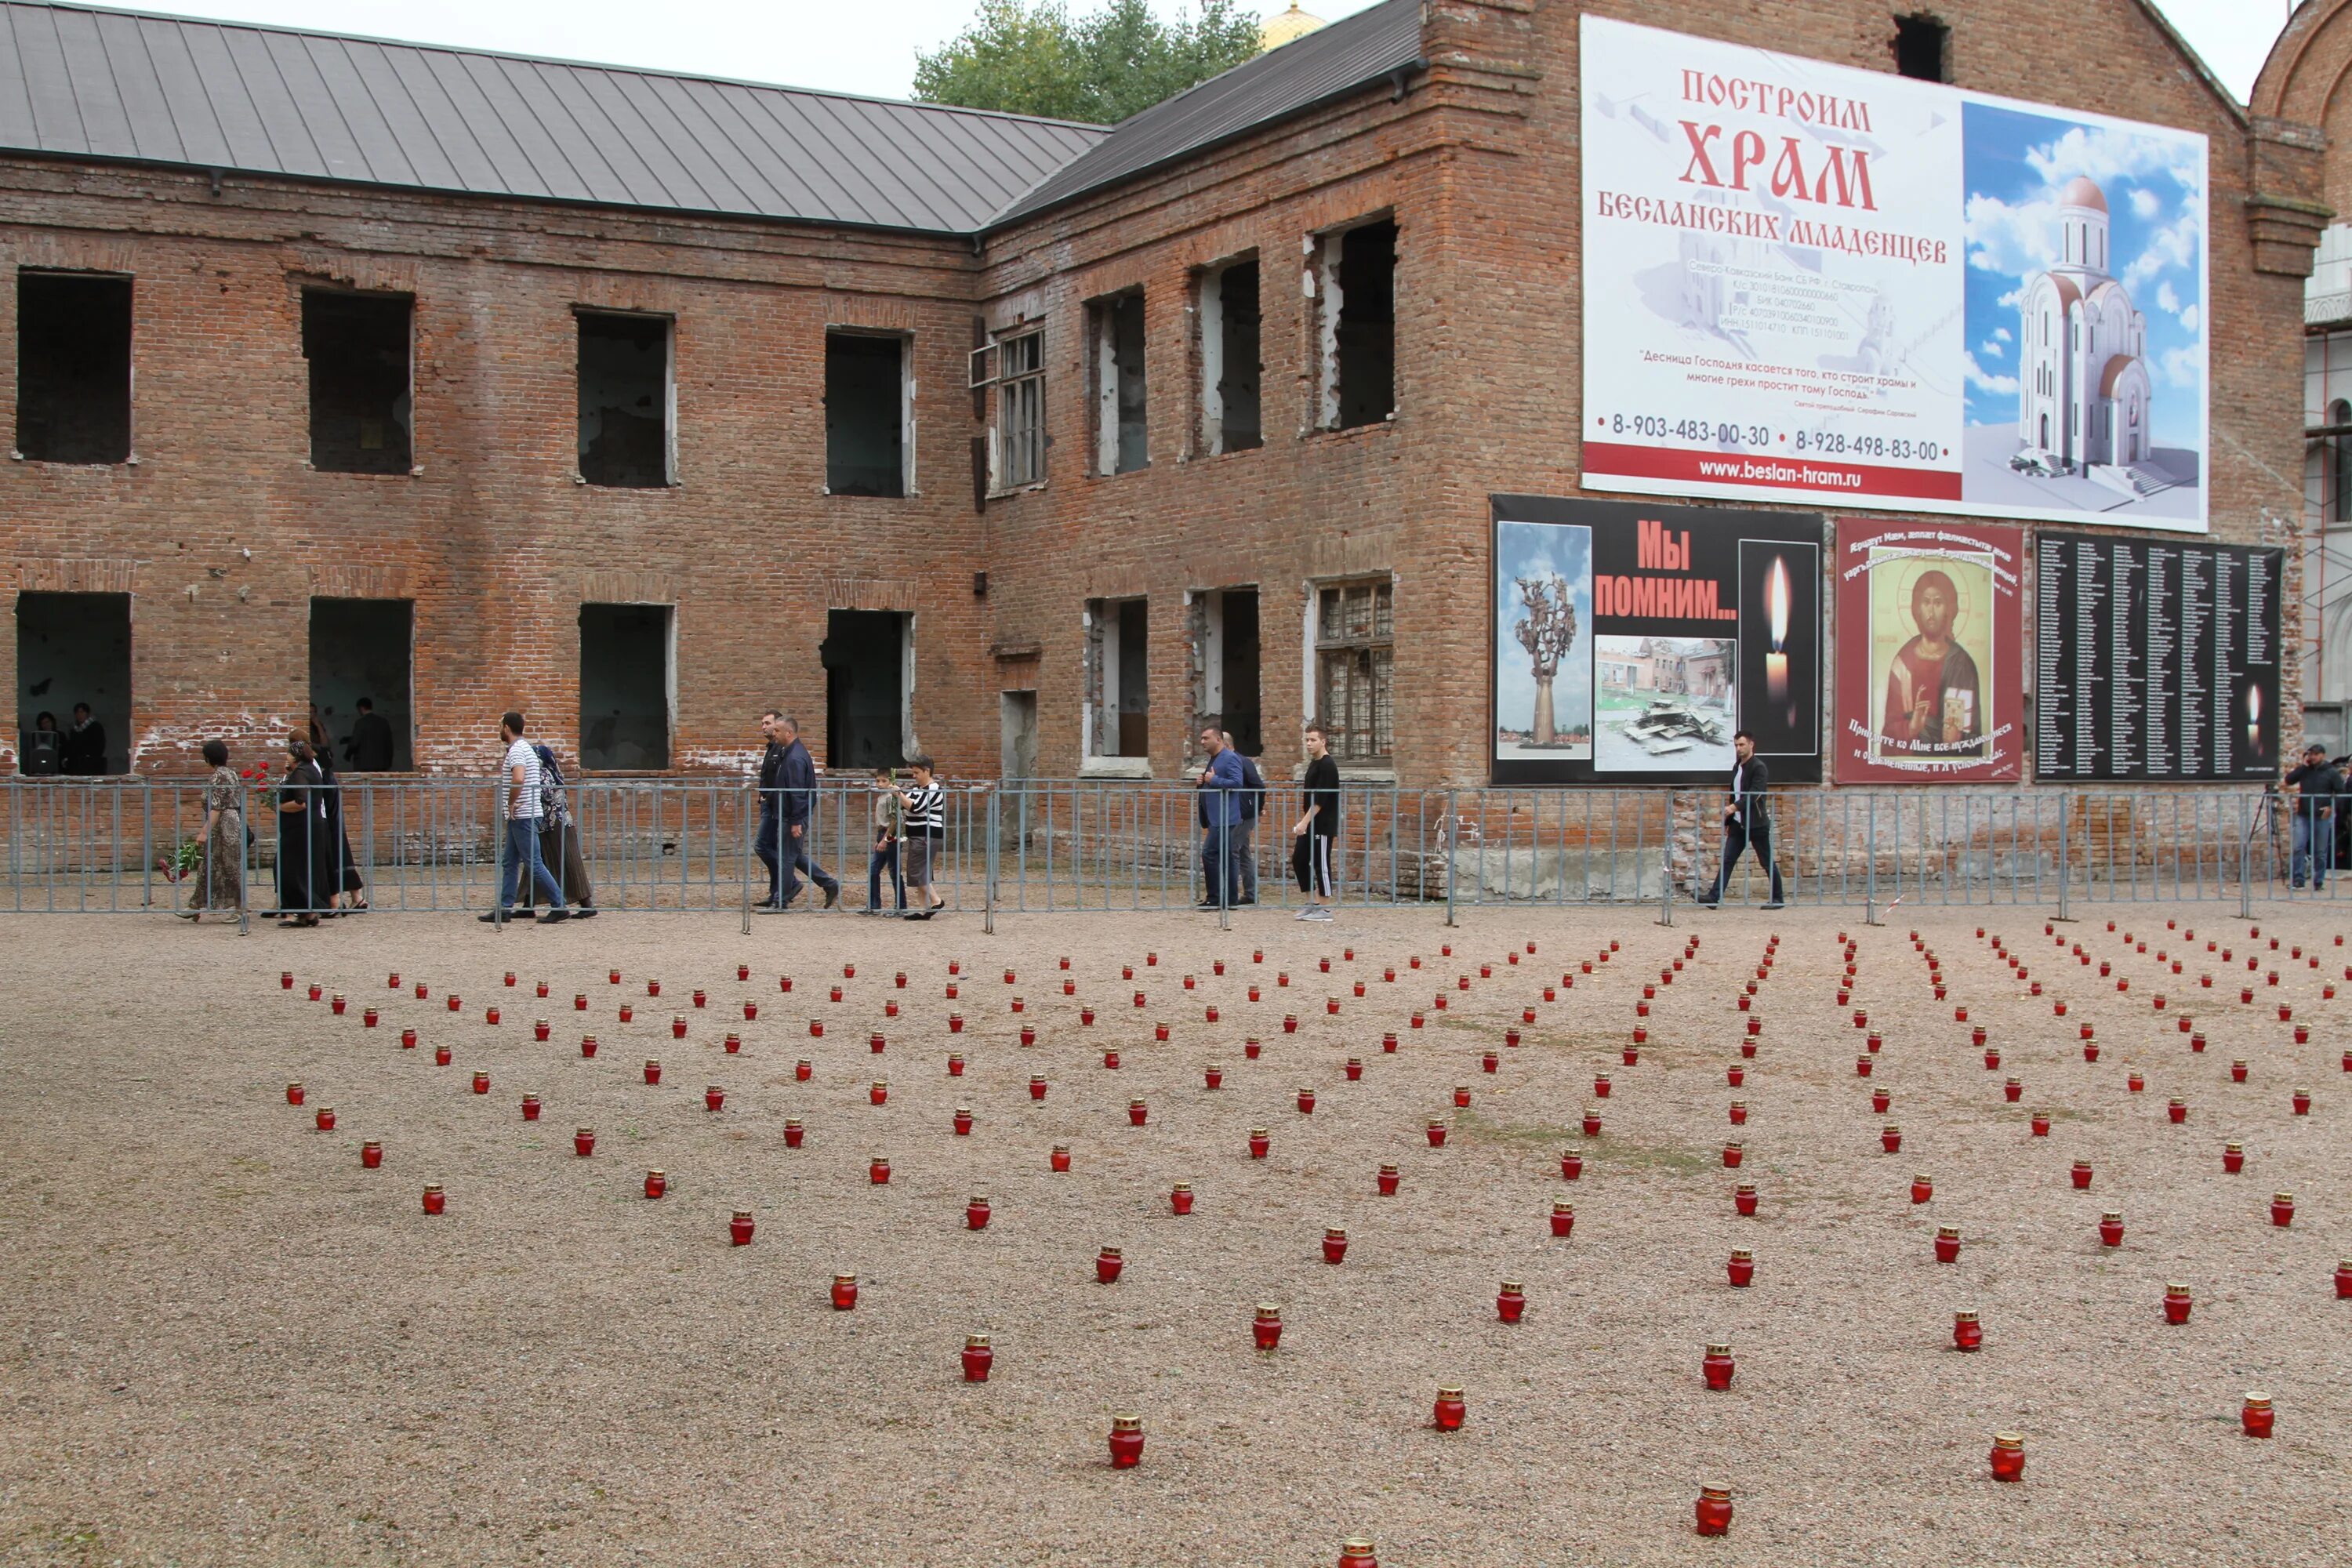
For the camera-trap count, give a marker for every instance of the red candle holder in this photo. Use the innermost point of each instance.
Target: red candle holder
(1733, 1153)
(657, 1183)
(580, 1001)
(436, 1200)
(1890, 1138)
(976, 1212)
(1058, 1158)
(1572, 1165)
(1354, 1069)
(877, 1170)
(1947, 1244)
(1967, 1333)
(583, 1141)
(2176, 1302)
(1251, 1047)
(652, 1070)
(1436, 1132)
(1510, 1301)
(2302, 1102)
(844, 1292)
(977, 1358)
(2282, 1209)
(793, 1131)
(1259, 1143)
(1335, 1244)
(955, 1023)
(628, 1013)
(2110, 1228)
(1305, 1102)
(2234, 1157)
(407, 1039)
(1450, 1410)
(2081, 1175)
(2008, 1456)
(1126, 1442)
(1717, 1367)
(1861, 1066)
(2178, 1110)
(1386, 1181)
(1137, 1112)
(1742, 1269)
(324, 1118)
(879, 1094)
(1633, 1052)
(2256, 1416)
(441, 1056)
(1601, 1086)
(1739, 1113)
(714, 1098)
(1107, 1266)
(1290, 1023)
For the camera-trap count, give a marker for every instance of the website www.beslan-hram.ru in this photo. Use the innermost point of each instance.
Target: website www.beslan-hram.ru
(1777, 473)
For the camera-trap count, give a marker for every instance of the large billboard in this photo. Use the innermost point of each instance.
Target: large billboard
(1931, 640)
(1805, 282)
(1631, 640)
(2155, 658)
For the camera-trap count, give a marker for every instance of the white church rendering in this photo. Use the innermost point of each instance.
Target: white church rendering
(2082, 401)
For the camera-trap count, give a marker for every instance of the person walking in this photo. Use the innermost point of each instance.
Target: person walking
(2317, 785)
(559, 839)
(304, 865)
(369, 747)
(1252, 802)
(796, 801)
(889, 829)
(520, 810)
(84, 752)
(768, 843)
(220, 873)
(1747, 821)
(1317, 831)
(927, 830)
(1220, 811)
(346, 888)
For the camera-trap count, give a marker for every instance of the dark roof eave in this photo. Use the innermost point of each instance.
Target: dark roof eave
(1017, 213)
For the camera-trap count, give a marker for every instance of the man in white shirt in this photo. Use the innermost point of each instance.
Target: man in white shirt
(518, 807)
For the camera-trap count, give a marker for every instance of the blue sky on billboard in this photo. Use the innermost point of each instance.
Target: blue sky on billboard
(2016, 164)
(1538, 549)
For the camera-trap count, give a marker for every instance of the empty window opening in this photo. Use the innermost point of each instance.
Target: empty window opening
(1121, 438)
(625, 401)
(867, 401)
(360, 663)
(73, 367)
(1119, 689)
(628, 671)
(1923, 48)
(357, 346)
(1015, 366)
(865, 655)
(1355, 658)
(1356, 280)
(73, 651)
(1017, 734)
(1231, 371)
(1226, 649)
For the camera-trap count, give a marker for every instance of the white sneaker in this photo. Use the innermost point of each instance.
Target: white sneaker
(1320, 913)
(1306, 914)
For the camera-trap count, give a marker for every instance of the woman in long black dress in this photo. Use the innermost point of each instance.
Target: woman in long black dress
(344, 884)
(305, 863)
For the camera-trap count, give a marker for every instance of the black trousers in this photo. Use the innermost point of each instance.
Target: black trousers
(1736, 838)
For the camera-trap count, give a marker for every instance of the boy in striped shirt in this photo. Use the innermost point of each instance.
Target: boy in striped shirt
(926, 830)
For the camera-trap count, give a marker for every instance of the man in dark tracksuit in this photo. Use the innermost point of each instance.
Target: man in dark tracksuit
(770, 835)
(1747, 821)
(796, 796)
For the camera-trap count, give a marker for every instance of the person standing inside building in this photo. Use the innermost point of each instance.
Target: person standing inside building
(1220, 785)
(369, 747)
(43, 748)
(559, 837)
(769, 843)
(1252, 802)
(889, 829)
(927, 830)
(1317, 831)
(220, 874)
(2316, 783)
(520, 810)
(796, 784)
(84, 752)
(1747, 821)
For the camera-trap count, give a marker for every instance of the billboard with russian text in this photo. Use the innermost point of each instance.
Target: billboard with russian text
(1806, 282)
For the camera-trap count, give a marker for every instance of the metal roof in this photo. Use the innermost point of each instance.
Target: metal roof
(1323, 65)
(80, 81)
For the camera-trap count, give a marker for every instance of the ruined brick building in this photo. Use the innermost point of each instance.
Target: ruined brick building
(642, 403)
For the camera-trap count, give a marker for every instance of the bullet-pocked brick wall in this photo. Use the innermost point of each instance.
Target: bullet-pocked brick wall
(1475, 159)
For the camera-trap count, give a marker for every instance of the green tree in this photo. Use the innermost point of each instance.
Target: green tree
(1029, 56)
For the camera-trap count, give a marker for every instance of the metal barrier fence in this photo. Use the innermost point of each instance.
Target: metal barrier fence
(141, 845)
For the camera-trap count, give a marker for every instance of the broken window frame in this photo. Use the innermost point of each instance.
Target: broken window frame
(668, 613)
(1014, 363)
(1355, 667)
(581, 314)
(24, 450)
(906, 342)
(1122, 444)
(1105, 672)
(310, 291)
(1325, 284)
(1912, 32)
(1211, 348)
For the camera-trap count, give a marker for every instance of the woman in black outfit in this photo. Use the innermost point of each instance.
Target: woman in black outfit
(305, 863)
(344, 869)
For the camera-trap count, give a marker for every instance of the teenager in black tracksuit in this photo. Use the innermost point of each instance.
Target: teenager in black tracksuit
(1747, 821)
(1316, 832)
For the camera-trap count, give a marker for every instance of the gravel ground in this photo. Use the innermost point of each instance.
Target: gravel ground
(221, 1340)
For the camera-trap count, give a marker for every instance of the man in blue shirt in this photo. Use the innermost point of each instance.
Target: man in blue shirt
(1221, 782)
(1253, 799)
(796, 801)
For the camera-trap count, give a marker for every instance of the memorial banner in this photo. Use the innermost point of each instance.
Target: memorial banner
(1809, 282)
(1930, 661)
(1630, 641)
(2155, 658)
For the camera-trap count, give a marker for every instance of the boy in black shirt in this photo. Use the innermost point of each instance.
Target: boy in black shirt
(1318, 830)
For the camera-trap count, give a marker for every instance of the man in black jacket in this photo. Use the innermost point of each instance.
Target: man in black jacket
(85, 744)
(796, 800)
(2314, 829)
(1747, 821)
(369, 748)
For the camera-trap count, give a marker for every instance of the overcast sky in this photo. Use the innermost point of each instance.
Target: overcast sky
(870, 48)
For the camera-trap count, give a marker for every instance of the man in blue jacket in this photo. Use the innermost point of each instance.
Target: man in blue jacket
(1221, 782)
(796, 806)
(1253, 798)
